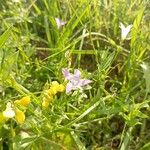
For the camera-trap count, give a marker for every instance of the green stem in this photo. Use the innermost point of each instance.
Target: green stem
(127, 139)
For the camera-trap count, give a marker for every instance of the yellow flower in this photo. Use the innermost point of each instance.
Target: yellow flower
(45, 103)
(20, 116)
(54, 83)
(57, 87)
(12, 111)
(61, 88)
(48, 94)
(48, 97)
(52, 91)
(25, 101)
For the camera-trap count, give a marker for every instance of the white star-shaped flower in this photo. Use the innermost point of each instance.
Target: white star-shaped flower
(124, 30)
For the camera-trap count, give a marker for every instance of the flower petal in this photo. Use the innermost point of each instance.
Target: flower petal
(77, 73)
(67, 74)
(59, 22)
(25, 101)
(69, 87)
(20, 116)
(9, 113)
(125, 30)
(84, 82)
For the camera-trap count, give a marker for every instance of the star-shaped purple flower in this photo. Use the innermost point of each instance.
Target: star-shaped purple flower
(75, 81)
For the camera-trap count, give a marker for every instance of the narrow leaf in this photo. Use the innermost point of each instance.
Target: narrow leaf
(4, 37)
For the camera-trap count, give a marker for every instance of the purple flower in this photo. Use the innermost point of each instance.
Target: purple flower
(75, 81)
(59, 22)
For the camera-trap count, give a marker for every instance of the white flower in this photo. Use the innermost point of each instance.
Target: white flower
(9, 112)
(124, 30)
(144, 66)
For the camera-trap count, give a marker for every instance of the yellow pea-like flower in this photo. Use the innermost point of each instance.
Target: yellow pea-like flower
(56, 87)
(54, 83)
(52, 91)
(61, 88)
(25, 101)
(20, 116)
(45, 103)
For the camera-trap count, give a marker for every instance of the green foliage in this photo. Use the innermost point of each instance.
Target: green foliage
(112, 112)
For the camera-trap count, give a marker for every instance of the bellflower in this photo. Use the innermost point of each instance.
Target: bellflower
(75, 81)
(124, 30)
(59, 22)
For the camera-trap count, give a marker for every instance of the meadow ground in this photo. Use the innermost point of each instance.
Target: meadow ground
(75, 75)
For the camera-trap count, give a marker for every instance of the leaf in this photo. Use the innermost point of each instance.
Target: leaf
(45, 143)
(127, 139)
(78, 142)
(85, 113)
(146, 146)
(146, 71)
(24, 141)
(73, 22)
(136, 26)
(29, 139)
(7, 65)
(4, 37)
(141, 115)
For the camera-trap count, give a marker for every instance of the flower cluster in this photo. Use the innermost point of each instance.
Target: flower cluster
(51, 92)
(16, 110)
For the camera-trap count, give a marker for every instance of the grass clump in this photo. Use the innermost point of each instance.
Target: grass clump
(74, 74)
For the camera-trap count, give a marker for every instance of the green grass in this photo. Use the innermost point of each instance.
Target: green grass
(33, 51)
